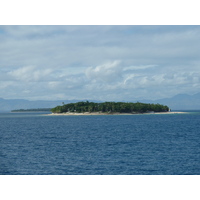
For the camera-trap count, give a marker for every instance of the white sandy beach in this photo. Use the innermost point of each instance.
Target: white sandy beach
(100, 113)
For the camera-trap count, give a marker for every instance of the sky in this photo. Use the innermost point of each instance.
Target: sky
(99, 62)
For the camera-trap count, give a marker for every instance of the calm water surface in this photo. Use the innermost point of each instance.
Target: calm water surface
(31, 143)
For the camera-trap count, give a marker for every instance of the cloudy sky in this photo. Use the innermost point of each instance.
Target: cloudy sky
(98, 62)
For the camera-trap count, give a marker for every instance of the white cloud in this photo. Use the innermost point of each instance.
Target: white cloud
(108, 72)
(30, 73)
(139, 67)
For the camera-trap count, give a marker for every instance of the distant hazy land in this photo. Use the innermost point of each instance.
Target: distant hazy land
(178, 102)
(33, 110)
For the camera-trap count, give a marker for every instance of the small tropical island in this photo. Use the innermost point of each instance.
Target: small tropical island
(106, 108)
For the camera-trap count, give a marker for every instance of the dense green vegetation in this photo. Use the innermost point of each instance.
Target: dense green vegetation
(110, 107)
(32, 110)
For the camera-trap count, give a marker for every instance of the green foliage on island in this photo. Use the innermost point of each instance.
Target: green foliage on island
(110, 107)
(33, 110)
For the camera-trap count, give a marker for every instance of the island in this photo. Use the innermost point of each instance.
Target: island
(106, 108)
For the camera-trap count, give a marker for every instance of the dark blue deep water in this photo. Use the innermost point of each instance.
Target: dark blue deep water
(31, 143)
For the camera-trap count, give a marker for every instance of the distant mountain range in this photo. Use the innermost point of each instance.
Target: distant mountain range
(178, 102)
(14, 104)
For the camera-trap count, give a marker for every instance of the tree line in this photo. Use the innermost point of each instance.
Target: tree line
(110, 107)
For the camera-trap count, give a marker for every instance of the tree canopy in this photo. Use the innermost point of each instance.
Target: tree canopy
(110, 107)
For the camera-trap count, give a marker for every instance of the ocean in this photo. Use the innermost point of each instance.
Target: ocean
(154, 144)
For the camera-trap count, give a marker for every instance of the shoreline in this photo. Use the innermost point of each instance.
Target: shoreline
(99, 113)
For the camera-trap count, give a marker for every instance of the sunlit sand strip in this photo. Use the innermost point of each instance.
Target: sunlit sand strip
(100, 113)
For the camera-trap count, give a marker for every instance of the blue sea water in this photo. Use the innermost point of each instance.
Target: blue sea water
(32, 143)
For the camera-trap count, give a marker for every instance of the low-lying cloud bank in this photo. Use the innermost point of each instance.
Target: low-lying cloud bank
(109, 81)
